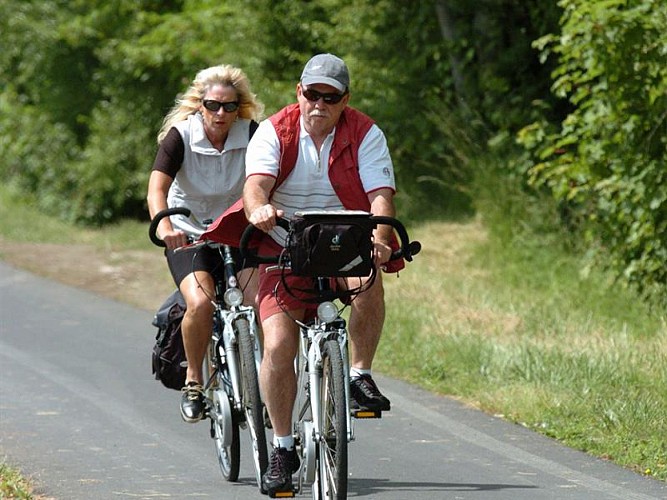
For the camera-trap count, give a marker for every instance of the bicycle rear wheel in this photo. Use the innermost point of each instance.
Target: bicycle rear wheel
(331, 481)
(252, 401)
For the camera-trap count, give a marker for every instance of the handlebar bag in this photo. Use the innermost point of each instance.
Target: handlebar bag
(331, 244)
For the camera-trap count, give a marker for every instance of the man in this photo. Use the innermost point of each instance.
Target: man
(316, 154)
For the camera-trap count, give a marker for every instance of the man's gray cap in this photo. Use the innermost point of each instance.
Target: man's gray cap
(328, 69)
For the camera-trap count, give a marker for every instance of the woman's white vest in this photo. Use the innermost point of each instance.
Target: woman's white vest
(209, 181)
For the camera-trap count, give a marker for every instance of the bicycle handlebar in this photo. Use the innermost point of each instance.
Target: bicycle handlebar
(247, 235)
(406, 251)
(152, 229)
(408, 248)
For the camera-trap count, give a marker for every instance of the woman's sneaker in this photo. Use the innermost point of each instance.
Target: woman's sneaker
(278, 476)
(366, 395)
(192, 402)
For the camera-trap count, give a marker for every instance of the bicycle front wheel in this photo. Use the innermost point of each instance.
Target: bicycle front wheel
(224, 428)
(226, 437)
(252, 402)
(331, 479)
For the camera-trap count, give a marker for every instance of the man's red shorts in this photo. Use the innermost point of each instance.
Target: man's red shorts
(273, 297)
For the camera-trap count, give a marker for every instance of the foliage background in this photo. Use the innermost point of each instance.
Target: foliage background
(605, 162)
(94, 79)
(84, 85)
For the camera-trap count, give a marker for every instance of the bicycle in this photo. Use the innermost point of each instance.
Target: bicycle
(322, 419)
(231, 366)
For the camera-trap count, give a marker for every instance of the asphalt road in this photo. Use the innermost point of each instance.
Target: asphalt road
(81, 414)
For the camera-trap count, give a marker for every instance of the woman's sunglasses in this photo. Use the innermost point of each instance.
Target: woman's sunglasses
(314, 96)
(214, 106)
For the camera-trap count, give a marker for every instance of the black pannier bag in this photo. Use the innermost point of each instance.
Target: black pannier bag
(168, 360)
(331, 244)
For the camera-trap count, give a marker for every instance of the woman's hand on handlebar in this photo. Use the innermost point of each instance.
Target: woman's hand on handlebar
(162, 233)
(174, 239)
(265, 216)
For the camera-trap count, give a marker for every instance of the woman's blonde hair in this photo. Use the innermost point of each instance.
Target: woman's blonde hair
(188, 103)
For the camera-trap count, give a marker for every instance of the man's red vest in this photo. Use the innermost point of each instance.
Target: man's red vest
(351, 129)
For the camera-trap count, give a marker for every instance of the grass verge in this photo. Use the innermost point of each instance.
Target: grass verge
(517, 331)
(13, 485)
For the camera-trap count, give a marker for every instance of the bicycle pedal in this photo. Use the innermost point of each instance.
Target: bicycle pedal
(283, 494)
(366, 413)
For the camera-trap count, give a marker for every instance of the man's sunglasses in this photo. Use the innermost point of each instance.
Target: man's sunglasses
(215, 106)
(314, 96)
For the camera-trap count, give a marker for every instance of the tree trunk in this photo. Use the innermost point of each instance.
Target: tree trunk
(449, 34)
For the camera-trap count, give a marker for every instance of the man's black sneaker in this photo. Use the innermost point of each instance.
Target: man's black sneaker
(366, 395)
(192, 402)
(278, 476)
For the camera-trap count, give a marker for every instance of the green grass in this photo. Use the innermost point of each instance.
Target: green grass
(13, 485)
(516, 330)
(22, 223)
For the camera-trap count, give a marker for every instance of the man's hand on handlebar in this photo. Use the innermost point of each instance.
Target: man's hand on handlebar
(381, 253)
(264, 217)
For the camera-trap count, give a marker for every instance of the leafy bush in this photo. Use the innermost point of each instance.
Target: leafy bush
(37, 155)
(112, 173)
(606, 162)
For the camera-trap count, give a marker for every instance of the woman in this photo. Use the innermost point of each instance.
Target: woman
(200, 164)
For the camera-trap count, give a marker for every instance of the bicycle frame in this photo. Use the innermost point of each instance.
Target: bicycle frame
(322, 417)
(224, 331)
(235, 340)
(230, 366)
(308, 409)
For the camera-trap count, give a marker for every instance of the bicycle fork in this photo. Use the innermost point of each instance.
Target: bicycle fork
(228, 344)
(315, 378)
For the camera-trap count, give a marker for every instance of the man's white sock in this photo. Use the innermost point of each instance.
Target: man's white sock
(286, 442)
(358, 372)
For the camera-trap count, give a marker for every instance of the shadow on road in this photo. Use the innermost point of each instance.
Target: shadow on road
(369, 487)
